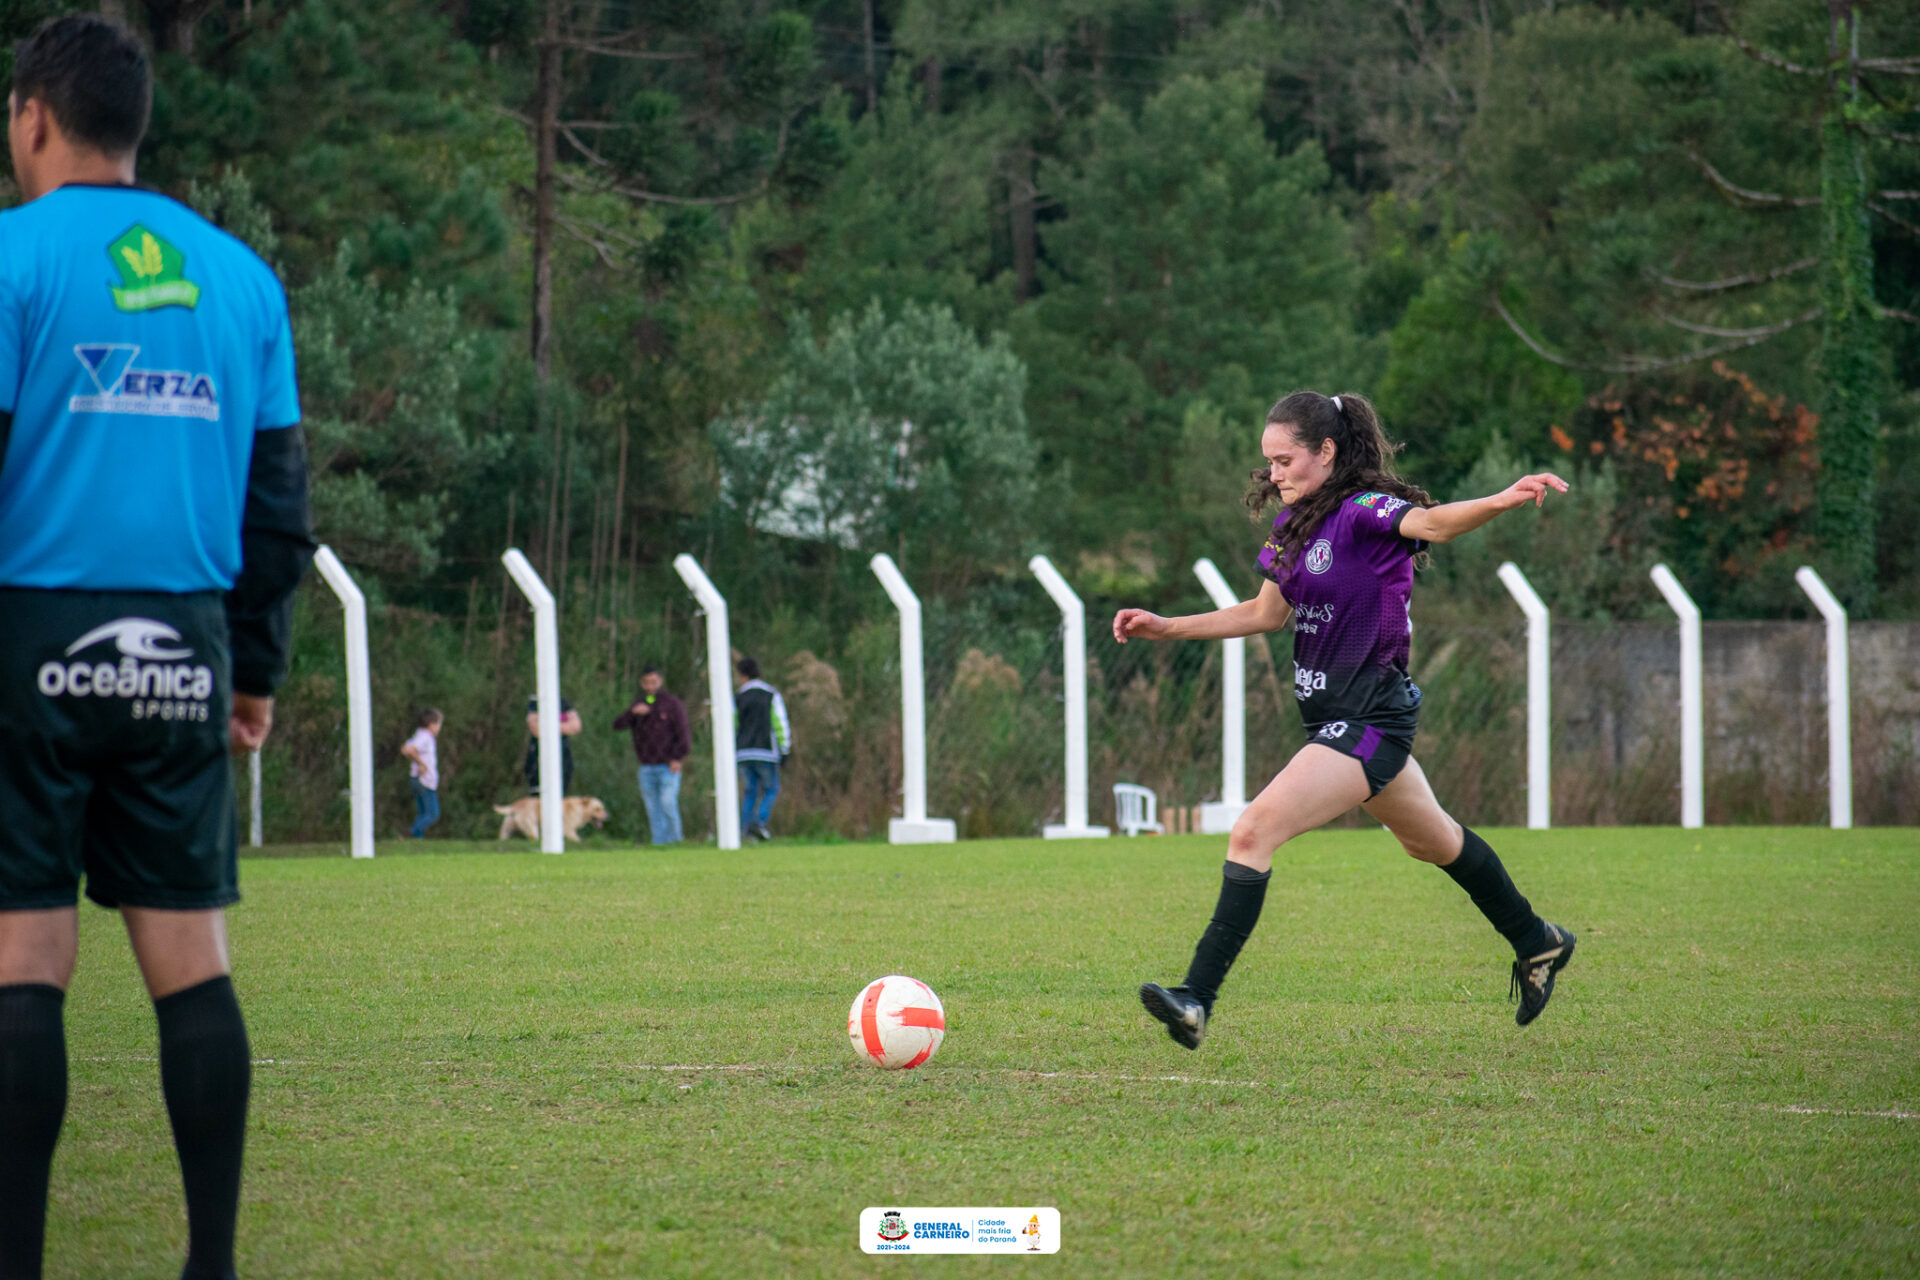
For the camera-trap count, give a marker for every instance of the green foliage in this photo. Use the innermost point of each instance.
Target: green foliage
(18, 19)
(890, 219)
(777, 60)
(1458, 381)
(1195, 260)
(892, 433)
(380, 384)
(369, 119)
(652, 146)
(229, 202)
(1586, 160)
(1212, 467)
(1585, 551)
(1853, 358)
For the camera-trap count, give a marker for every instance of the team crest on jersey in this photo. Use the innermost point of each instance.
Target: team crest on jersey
(150, 393)
(153, 273)
(1320, 557)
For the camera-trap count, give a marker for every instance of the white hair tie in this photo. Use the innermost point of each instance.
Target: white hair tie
(1336, 404)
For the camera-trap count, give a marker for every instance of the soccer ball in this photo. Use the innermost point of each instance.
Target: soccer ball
(896, 1023)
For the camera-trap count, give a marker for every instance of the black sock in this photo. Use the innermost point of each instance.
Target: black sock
(33, 1100)
(206, 1068)
(1478, 871)
(1242, 893)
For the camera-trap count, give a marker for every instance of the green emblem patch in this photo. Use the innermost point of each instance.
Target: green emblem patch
(152, 272)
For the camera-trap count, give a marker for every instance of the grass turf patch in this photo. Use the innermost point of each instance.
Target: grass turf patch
(630, 1061)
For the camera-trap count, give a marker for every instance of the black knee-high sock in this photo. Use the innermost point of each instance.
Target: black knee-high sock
(1478, 871)
(206, 1069)
(33, 1100)
(1243, 891)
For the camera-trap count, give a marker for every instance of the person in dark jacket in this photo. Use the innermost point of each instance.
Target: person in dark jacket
(569, 725)
(763, 739)
(661, 740)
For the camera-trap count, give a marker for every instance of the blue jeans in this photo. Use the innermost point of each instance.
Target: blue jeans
(426, 804)
(759, 784)
(660, 792)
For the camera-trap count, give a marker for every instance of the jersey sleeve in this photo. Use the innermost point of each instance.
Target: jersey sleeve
(1267, 563)
(279, 391)
(12, 345)
(1375, 520)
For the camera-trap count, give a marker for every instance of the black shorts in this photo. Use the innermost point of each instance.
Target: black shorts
(1382, 752)
(113, 750)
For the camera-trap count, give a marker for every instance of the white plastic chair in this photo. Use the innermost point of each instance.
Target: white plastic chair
(1135, 809)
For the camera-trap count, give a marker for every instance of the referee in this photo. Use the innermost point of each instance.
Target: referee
(153, 524)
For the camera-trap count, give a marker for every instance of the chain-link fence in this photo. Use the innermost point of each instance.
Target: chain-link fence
(995, 717)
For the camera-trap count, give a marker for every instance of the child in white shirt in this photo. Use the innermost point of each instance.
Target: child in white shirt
(424, 771)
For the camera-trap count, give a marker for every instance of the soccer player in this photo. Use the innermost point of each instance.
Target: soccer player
(1339, 563)
(153, 523)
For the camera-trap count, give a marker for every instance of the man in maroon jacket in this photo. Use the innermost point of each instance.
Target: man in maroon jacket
(658, 722)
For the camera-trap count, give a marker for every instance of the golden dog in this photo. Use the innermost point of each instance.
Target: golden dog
(575, 812)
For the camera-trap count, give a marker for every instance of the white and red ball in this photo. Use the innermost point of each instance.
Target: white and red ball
(896, 1023)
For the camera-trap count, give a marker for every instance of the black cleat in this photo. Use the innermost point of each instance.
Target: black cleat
(1533, 976)
(1185, 1017)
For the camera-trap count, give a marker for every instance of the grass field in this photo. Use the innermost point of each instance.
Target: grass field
(623, 1062)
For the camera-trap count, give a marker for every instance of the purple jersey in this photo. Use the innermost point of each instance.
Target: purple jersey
(1350, 588)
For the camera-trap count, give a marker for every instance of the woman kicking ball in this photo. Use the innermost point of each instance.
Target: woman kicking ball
(1339, 564)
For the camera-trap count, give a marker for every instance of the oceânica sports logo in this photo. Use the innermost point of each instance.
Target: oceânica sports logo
(150, 674)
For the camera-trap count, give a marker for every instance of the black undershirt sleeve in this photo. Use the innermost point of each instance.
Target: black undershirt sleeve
(1419, 545)
(6, 431)
(276, 545)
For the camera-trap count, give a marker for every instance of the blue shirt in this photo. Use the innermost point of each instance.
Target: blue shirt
(140, 349)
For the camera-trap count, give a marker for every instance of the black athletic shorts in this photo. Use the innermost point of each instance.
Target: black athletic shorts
(113, 750)
(1382, 752)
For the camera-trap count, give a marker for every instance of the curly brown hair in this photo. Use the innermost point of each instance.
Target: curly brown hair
(1362, 462)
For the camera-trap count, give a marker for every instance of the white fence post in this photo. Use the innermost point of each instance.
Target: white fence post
(1218, 819)
(359, 701)
(1539, 664)
(915, 827)
(1691, 804)
(546, 685)
(254, 816)
(1073, 617)
(1839, 731)
(726, 775)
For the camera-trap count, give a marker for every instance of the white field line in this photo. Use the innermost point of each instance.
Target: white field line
(998, 1071)
(1830, 1111)
(95, 1057)
(777, 1068)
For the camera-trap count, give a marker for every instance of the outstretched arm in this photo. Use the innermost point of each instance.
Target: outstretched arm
(1449, 520)
(1266, 612)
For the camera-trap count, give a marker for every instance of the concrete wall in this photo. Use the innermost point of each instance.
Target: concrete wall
(1616, 692)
